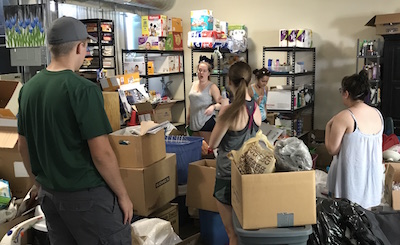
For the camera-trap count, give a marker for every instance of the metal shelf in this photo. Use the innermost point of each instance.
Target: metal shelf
(214, 74)
(289, 49)
(210, 50)
(369, 56)
(162, 75)
(308, 73)
(297, 110)
(143, 51)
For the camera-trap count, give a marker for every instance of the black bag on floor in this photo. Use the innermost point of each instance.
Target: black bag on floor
(342, 222)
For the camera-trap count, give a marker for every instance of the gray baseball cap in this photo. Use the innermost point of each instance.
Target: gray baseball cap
(67, 29)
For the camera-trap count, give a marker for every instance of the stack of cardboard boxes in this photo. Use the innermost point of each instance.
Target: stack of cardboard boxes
(11, 166)
(148, 172)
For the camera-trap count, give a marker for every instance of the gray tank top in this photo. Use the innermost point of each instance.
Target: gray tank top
(199, 102)
(233, 140)
(356, 173)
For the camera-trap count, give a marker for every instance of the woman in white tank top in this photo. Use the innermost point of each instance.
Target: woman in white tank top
(354, 138)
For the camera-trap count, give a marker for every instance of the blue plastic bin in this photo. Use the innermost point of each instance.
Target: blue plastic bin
(212, 230)
(292, 235)
(187, 150)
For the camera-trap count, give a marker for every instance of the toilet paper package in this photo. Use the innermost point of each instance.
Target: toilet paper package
(283, 38)
(304, 38)
(292, 34)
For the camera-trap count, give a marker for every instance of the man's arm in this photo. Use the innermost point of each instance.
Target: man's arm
(23, 150)
(106, 163)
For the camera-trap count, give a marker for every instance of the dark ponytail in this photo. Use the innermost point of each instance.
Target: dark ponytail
(260, 73)
(240, 76)
(357, 85)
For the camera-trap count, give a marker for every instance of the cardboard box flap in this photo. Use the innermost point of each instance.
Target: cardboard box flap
(6, 113)
(144, 108)
(165, 105)
(384, 19)
(6, 92)
(8, 138)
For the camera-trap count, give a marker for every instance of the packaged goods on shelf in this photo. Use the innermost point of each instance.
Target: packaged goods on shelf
(91, 27)
(220, 25)
(206, 39)
(108, 50)
(174, 41)
(166, 64)
(236, 27)
(201, 20)
(283, 38)
(134, 64)
(106, 27)
(292, 35)
(281, 99)
(175, 24)
(304, 38)
(155, 25)
(108, 63)
(114, 83)
(151, 43)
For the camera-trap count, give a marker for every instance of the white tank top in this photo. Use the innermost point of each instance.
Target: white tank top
(356, 173)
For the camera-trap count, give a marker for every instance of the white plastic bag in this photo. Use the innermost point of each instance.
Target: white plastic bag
(153, 231)
(292, 155)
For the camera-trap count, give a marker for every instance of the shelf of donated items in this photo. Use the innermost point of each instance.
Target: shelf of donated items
(291, 74)
(206, 39)
(307, 106)
(161, 74)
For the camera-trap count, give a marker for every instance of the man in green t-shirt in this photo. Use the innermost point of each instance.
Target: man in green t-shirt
(63, 139)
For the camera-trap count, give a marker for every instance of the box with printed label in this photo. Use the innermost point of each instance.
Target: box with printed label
(134, 64)
(206, 39)
(174, 41)
(136, 151)
(152, 187)
(280, 199)
(281, 99)
(12, 168)
(175, 25)
(155, 25)
(385, 24)
(201, 20)
(151, 43)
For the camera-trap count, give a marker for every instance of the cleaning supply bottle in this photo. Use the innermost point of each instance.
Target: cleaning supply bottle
(223, 93)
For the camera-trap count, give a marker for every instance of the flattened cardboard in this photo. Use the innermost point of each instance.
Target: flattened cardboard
(392, 174)
(152, 187)
(274, 200)
(138, 151)
(200, 186)
(386, 24)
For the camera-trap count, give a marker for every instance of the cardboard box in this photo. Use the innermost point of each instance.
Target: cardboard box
(200, 186)
(152, 43)
(5, 227)
(158, 113)
(274, 200)
(134, 64)
(281, 99)
(386, 24)
(111, 106)
(152, 187)
(192, 240)
(155, 25)
(392, 175)
(175, 25)
(115, 82)
(134, 151)
(169, 213)
(12, 168)
(174, 41)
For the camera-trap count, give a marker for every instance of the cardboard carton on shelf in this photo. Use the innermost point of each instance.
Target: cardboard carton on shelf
(137, 151)
(12, 168)
(152, 187)
(155, 25)
(152, 43)
(175, 24)
(159, 113)
(271, 200)
(392, 176)
(385, 24)
(115, 82)
(200, 186)
(174, 41)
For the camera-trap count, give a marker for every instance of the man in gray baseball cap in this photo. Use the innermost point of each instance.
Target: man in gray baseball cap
(63, 139)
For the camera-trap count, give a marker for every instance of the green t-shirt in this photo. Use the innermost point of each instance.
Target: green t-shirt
(58, 113)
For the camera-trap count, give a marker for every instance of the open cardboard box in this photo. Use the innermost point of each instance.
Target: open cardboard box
(11, 166)
(160, 112)
(392, 175)
(281, 199)
(200, 186)
(385, 24)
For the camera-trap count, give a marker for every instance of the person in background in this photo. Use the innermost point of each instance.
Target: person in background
(354, 138)
(63, 139)
(259, 90)
(204, 97)
(236, 123)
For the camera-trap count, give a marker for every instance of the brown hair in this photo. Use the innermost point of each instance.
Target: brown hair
(260, 73)
(357, 85)
(58, 50)
(240, 76)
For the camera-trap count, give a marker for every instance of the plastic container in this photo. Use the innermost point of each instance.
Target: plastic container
(40, 233)
(212, 230)
(291, 235)
(281, 69)
(187, 150)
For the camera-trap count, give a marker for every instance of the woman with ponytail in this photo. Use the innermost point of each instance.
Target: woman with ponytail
(354, 138)
(236, 123)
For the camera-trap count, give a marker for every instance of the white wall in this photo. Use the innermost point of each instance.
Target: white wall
(336, 25)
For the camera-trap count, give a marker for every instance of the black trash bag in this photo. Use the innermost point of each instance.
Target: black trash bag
(334, 217)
